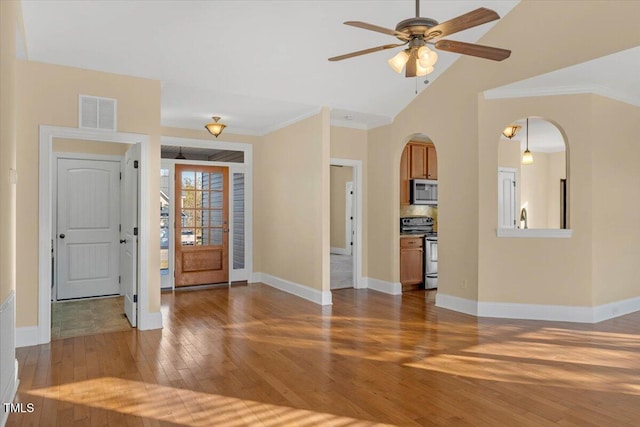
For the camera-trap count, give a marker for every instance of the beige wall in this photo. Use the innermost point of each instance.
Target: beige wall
(49, 96)
(615, 200)
(340, 175)
(10, 23)
(540, 189)
(453, 114)
(62, 145)
(291, 202)
(537, 271)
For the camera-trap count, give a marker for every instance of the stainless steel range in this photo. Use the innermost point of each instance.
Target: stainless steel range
(424, 225)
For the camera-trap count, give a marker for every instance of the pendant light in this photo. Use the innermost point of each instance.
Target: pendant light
(215, 128)
(180, 156)
(527, 157)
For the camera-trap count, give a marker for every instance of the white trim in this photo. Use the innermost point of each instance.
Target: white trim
(385, 287)
(45, 203)
(255, 278)
(27, 336)
(562, 313)
(516, 195)
(561, 233)
(289, 122)
(352, 124)
(348, 216)
(461, 305)
(12, 389)
(545, 312)
(339, 251)
(615, 309)
(310, 294)
(358, 280)
(504, 93)
(150, 321)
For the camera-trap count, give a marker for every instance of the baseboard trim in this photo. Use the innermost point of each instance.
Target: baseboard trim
(382, 286)
(27, 336)
(310, 294)
(616, 309)
(150, 321)
(255, 278)
(557, 313)
(461, 305)
(340, 251)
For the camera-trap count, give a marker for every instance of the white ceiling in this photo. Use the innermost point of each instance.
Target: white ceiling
(614, 76)
(257, 64)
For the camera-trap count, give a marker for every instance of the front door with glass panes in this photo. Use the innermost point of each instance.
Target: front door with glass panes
(201, 225)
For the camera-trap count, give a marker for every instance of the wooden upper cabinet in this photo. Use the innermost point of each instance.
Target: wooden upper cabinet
(418, 161)
(404, 178)
(432, 162)
(418, 155)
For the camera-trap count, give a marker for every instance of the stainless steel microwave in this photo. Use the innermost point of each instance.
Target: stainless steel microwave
(424, 192)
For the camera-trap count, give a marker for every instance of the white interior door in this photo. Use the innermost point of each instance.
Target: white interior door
(349, 225)
(88, 216)
(129, 234)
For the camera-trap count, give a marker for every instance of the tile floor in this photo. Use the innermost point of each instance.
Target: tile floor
(87, 316)
(341, 271)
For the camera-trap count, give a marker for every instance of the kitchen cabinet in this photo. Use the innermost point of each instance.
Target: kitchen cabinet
(418, 161)
(411, 263)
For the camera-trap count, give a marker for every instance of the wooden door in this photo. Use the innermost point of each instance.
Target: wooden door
(201, 225)
(88, 216)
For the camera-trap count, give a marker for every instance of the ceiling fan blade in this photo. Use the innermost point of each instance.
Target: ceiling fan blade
(487, 52)
(378, 29)
(471, 19)
(411, 69)
(365, 51)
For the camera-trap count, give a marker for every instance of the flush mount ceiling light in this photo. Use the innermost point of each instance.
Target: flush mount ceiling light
(215, 128)
(510, 131)
(417, 59)
(527, 157)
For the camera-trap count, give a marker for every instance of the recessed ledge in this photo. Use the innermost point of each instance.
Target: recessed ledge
(536, 233)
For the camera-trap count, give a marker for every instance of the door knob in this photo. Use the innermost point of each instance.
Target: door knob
(62, 236)
(123, 240)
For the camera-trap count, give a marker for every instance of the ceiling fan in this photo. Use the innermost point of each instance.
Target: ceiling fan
(416, 33)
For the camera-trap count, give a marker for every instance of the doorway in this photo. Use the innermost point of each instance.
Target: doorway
(345, 224)
(201, 254)
(47, 225)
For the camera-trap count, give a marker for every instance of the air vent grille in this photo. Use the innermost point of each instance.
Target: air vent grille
(97, 113)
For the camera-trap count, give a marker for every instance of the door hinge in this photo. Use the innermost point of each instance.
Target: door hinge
(135, 231)
(119, 227)
(119, 279)
(351, 243)
(120, 176)
(135, 299)
(135, 164)
(351, 192)
(351, 218)
(514, 183)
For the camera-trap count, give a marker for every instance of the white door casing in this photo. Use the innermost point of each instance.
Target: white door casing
(129, 234)
(88, 215)
(507, 197)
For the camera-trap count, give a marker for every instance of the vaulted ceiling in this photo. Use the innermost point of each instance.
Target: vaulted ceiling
(257, 64)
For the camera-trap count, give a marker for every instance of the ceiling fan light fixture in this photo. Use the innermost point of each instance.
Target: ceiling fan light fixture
(215, 128)
(399, 61)
(422, 71)
(427, 57)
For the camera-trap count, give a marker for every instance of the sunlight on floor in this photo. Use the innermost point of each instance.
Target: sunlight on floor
(186, 407)
(524, 358)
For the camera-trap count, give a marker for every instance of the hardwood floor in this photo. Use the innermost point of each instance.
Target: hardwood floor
(252, 355)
